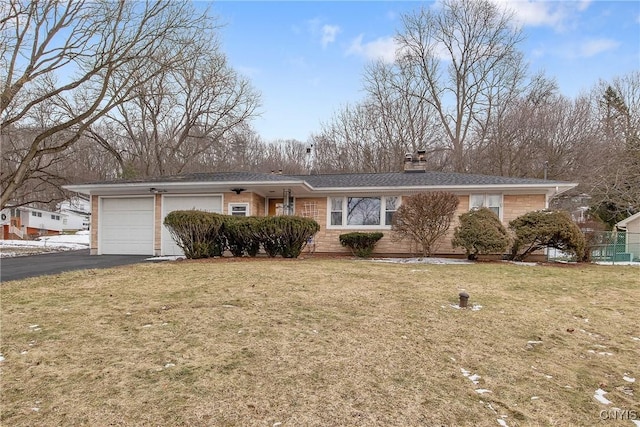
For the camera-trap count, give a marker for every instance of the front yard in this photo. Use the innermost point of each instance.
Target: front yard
(322, 342)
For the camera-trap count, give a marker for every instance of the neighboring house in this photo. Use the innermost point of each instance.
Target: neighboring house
(77, 211)
(26, 222)
(127, 216)
(631, 227)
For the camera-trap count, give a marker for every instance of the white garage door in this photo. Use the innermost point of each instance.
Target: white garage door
(126, 226)
(184, 203)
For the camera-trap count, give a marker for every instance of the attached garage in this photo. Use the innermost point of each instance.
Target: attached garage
(126, 225)
(209, 203)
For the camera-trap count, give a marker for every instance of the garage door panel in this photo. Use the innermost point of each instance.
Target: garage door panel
(127, 226)
(179, 203)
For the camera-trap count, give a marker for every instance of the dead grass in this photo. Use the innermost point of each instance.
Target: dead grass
(319, 342)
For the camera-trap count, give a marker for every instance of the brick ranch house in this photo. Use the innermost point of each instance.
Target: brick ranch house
(127, 216)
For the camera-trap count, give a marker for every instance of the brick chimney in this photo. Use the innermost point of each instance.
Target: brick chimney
(416, 162)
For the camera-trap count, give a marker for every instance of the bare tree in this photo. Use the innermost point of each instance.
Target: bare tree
(59, 62)
(424, 218)
(466, 54)
(614, 181)
(183, 112)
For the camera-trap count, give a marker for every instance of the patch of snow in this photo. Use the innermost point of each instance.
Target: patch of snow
(618, 263)
(474, 307)
(636, 422)
(548, 376)
(629, 379)
(424, 261)
(147, 325)
(534, 398)
(1, 358)
(526, 264)
(35, 409)
(473, 378)
(62, 242)
(601, 353)
(534, 342)
(502, 422)
(482, 391)
(599, 396)
(278, 424)
(165, 258)
(635, 338)
(169, 365)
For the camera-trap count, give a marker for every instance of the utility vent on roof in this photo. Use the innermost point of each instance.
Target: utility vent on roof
(416, 162)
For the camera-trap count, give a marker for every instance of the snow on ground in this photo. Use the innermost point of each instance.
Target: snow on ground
(59, 243)
(422, 260)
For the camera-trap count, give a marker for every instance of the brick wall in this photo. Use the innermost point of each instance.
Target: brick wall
(255, 201)
(520, 204)
(93, 245)
(327, 240)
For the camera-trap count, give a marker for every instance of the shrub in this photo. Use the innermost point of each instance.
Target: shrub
(361, 244)
(546, 229)
(197, 233)
(480, 232)
(241, 235)
(286, 235)
(424, 218)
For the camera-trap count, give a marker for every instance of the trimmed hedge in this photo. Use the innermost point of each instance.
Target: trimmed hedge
(286, 235)
(241, 235)
(361, 244)
(480, 232)
(196, 232)
(546, 229)
(205, 234)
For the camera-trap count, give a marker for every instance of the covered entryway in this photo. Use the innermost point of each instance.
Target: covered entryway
(126, 226)
(186, 202)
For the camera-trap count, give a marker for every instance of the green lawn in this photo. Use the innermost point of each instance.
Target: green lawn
(320, 342)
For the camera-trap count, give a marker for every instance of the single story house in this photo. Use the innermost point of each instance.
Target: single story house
(127, 215)
(631, 227)
(25, 222)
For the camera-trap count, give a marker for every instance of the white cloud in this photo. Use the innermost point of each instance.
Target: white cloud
(535, 13)
(383, 48)
(329, 33)
(596, 46)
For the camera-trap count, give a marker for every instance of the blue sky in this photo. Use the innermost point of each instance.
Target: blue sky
(307, 57)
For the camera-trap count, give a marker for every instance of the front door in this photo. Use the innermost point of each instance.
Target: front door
(276, 207)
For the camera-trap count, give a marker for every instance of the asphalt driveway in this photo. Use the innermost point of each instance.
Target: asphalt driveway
(18, 268)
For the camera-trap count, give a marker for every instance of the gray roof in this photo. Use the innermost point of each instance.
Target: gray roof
(409, 179)
(206, 177)
(345, 180)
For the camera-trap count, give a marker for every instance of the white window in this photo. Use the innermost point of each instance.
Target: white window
(239, 209)
(355, 212)
(336, 211)
(491, 201)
